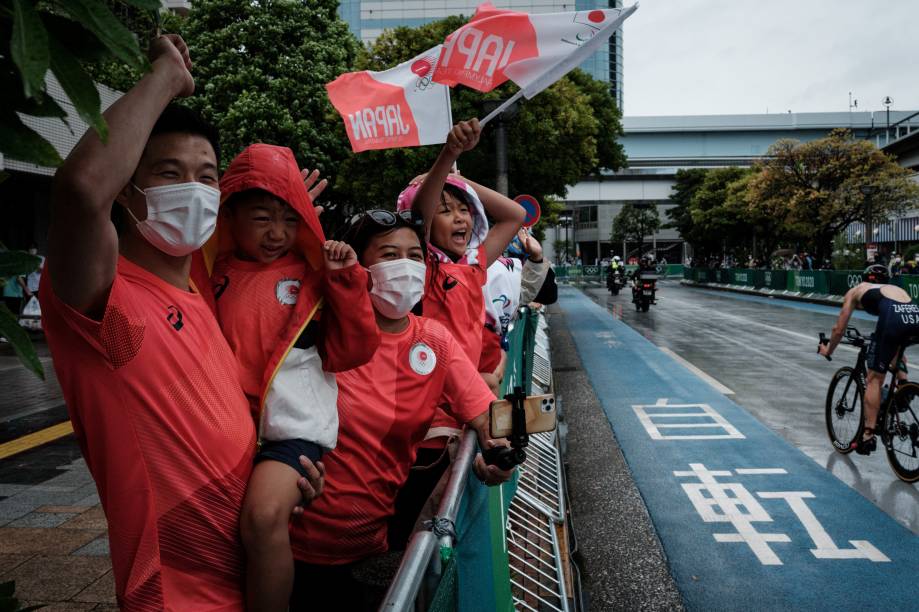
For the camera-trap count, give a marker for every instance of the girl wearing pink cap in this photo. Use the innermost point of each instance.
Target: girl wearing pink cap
(461, 246)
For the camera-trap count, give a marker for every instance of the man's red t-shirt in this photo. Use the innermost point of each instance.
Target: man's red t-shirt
(385, 407)
(164, 426)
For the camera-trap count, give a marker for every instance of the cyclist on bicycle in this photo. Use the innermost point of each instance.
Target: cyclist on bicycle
(898, 319)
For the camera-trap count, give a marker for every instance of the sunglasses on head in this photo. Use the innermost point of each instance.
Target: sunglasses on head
(383, 218)
(386, 218)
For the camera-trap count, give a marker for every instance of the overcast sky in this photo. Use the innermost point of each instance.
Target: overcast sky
(701, 57)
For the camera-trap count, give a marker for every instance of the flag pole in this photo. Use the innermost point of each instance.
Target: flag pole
(504, 106)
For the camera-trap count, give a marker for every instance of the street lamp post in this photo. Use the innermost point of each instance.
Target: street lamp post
(896, 233)
(500, 124)
(887, 102)
(566, 219)
(868, 191)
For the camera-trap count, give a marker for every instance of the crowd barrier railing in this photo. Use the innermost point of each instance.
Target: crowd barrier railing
(580, 274)
(476, 554)
(826, 284)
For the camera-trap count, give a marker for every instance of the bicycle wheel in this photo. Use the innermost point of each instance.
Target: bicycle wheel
(902, 429)
(844, 404)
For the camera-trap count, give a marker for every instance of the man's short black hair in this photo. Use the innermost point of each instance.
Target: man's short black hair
(175, 119)
(178, 119)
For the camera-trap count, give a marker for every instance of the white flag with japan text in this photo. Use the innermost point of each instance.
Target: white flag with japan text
(532, 50)
(399, 107)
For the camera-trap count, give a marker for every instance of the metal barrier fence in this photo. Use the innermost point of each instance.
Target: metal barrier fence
(575, 274)
(496, 548)
(830, 283)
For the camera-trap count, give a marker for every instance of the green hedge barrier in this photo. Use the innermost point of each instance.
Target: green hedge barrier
(910, 284)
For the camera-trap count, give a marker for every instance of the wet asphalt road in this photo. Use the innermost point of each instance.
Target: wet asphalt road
(766, 355)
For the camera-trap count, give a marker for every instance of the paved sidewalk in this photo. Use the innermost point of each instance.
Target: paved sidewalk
(53, 534)
(53, 537)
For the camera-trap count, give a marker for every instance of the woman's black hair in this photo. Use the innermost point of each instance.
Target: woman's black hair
(460, 196)
(363, 229)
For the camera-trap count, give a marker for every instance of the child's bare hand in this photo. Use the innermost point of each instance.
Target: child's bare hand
(463, 137)
(530, 245)
(338, 255)
(310, 486)
(312, 186)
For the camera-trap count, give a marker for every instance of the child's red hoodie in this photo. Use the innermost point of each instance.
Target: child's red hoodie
(290, 322)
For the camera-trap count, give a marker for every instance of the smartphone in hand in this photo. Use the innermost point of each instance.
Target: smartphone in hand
(540, 415)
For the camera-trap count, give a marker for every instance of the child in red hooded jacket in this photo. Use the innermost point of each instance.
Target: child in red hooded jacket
(294, 308)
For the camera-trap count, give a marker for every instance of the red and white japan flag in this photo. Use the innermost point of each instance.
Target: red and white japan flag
(533, 51)
(399, 107)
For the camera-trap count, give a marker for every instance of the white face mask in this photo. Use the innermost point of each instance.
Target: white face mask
(397, 286)
(180, 218)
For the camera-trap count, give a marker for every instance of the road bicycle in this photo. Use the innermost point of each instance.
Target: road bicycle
(898, 419)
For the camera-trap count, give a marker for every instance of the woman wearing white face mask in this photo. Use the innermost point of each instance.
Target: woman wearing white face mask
(385, 408)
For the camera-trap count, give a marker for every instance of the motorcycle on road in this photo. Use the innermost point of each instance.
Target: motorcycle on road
(644, 291)
(615, 280)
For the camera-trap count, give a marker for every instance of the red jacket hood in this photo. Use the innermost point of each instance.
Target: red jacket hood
(273, 169)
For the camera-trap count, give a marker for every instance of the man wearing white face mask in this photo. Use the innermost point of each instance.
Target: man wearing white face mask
(150, 384)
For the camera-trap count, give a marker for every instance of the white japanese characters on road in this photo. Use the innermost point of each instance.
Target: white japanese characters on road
(732, 502)
(684, 422)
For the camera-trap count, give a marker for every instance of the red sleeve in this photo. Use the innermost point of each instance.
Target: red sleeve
(349, 327)
(465, 393)
(117, 337)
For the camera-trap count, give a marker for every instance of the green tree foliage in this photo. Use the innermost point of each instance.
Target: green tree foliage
(816, 187)
(687, 183)
(634, 222)
(562, 135)
(260, 70)
(145, 25)
(718, 211)
(801, 195)
(63, 37)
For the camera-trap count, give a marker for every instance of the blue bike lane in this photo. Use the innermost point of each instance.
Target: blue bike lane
(747, 521)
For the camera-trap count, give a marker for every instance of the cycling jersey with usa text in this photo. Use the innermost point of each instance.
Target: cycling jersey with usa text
(897, 323)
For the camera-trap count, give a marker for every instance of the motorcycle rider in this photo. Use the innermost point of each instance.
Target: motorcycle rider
(645, 266)
(615, 267)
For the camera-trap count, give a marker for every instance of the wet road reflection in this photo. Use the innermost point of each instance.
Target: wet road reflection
(766, 354)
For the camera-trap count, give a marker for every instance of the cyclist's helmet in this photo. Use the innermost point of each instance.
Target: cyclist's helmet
(876, 274)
